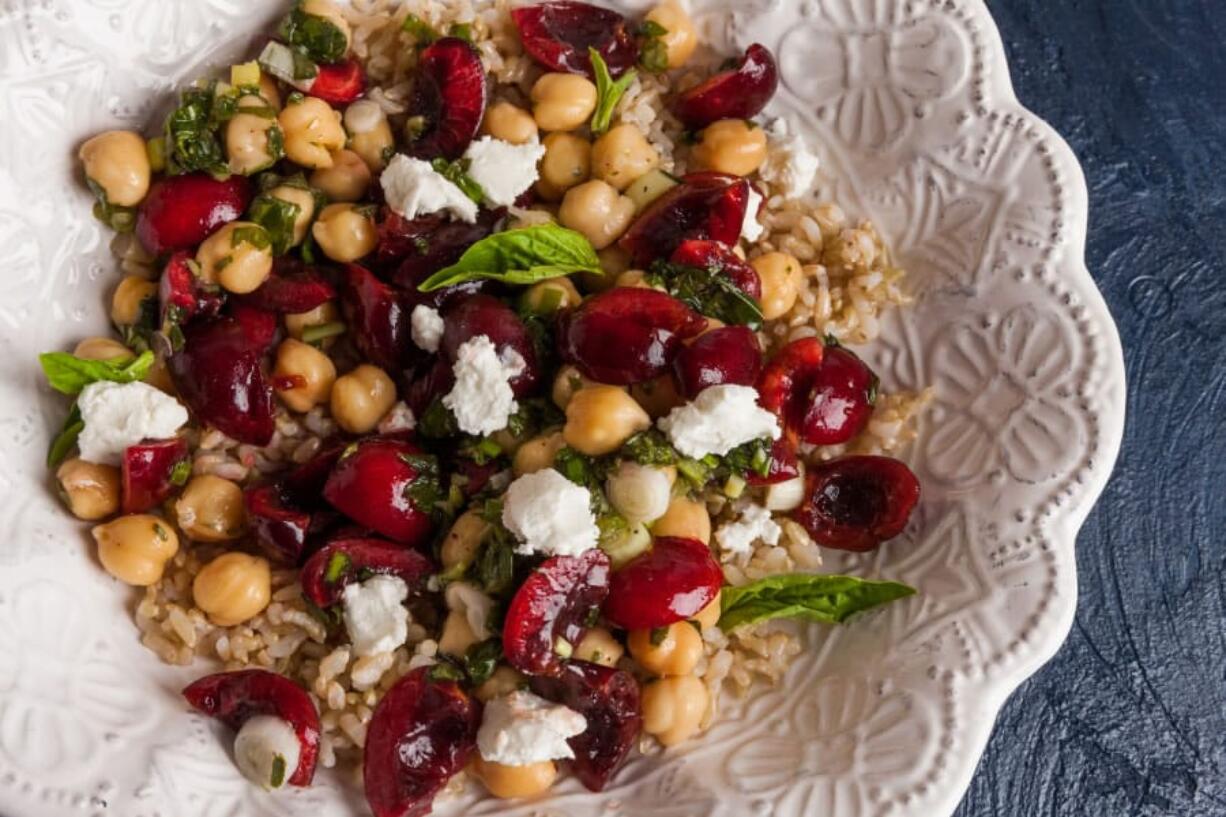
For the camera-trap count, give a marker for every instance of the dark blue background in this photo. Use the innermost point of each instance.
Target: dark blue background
(1130, 717)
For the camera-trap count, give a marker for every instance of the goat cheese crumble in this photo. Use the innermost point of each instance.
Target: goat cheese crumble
(751, 228)
(755, 523)
(266, 751)
(550, 515)
(413, 188)
(503, 170)
(117, 415)
(520, 728)
(482, 400)
(790, 167)
(375, 616)
(427, 327)
(718, 420)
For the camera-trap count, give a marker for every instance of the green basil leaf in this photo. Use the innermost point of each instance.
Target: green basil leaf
(462, 30)
(316, 37)
(67, 438)
(522, 256)
(277, 217)
(608, 91)
(829, 599)
(708, 291)
(69, 374)
(457, 173)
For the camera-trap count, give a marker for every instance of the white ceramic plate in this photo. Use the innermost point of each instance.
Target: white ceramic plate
(920, 129)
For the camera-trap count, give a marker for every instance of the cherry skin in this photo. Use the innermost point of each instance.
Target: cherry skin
(856, 503)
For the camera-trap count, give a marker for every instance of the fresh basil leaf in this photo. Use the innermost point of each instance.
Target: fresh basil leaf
(457, 173)
(277, 217)
(608, 91)
(314, 36)
(522, 256)
(69, 374)
(826, 598)
(67, 438)
(708, 291)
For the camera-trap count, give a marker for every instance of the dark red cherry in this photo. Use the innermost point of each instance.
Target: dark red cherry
(558, 35)
(671, 582)
(373, 484)
(339, 83)
(259, 326)
(705, 206)
(841, 398)
(378, 321)
(556, 602)
(413, 250)
(447, 100)
(233, 697)
(147, 472)
(729, 354)
(715, 255)
(293, 286)
(476, 315)
(422, 732)
(280, 529)
(181, 211)
(741, 92)
(787, 379)
(349, 559)
(182, 295)
(304, 484)
(856, 503)
(435, 379)
(219, 374)
(608, 699)
(626, 335)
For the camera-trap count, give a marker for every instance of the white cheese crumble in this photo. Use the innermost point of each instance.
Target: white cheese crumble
(398, 418)
(482, 400)
(755, 524)
(751, 228)
(413, 188)
(118, 415)
(375, 615)
(520, 728)
(427, 327)
(550, 515)
(266, 751)
(503, 170)
(790, 166)
(718, 420)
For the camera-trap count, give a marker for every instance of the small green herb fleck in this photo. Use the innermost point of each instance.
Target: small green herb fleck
(322, 331)
(456, 172)
(421, 31)
(278, 217)
(658, 636)
(445, 671)
(161, 532)
(277, 778)
(710, 291)
(338, 565)
(180, 473)
(462, 30)
(314, 36)
(481, 660)
(254, 234)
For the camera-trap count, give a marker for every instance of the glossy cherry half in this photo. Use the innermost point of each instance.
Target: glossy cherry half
(729, 354)
(558, 35)
(349, 559)
(181, 211)
(857, 502)
(704, 206)
(147, 472)
(372, 485)
(553, 603)
(741, 92)
(447, 100)
(669, 583)
(219, 374)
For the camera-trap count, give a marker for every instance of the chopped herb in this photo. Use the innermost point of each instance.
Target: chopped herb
(534, 414)
(653, 51)
(650, 447)
(456, 172)
(322, 331)
(709, 291)
(608, 91)
(192, 133)
(67, 438)
(277, 778)
(69, 374)
(160, 532)
(494, 567)
(696, 473)
(581, 469)
(480, 450)
(437, 421)
(295, 98)
(317, 37)
(119, 219)
(338, 565)
(650, 28)
(421, 31)
(751, 457)
(277, 216)
(445, 671)
(426, 489)
(255, 235)
(658, 636)
(462, 30)
(180, 473)
(481, 660)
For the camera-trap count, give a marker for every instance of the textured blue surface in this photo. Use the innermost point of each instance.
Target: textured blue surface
(1130, 717)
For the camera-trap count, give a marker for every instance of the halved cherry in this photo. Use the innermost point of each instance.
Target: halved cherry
(181, 211)
(729, 354)
(373, 484)
(856, 503)
(558, 35)
(476, 315)
(378, 322)
(741, 92)
(669, 583)
(259, 326)
(784, 463)
(182, 295)
(147, 472)
(840, 398)
(719, 257)
(219, 374)
(433, 380)
(609, 700)
(348, 559)
(787, 379)
(233, 697)
(448, 99)
(293, 286)
(304, 485)
(280, 528)
(553, 604)
(422, 732)
(416, 249)
(626, 335)
(339, 83)
(705, 206)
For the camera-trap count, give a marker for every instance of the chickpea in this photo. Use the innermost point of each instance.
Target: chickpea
(673, 707)
(457, 636)
(598, 211)
(509, 782)
(312, 131)
(599, 419)
(463, 541)
(347, 180)
(781, 278)
(657, 397)
(686, 518)
(538, 454)
(730, 146)
(90, 490)
(101, 349)
(251, 138)
(129, 300)
(370, 135)
(297, 322)
(562, 102)
(328, 11)
(639, 493)
(566, 382)
(600, 647)
(510, 123)
(117, 162)
(238, 256)
(313, 370)
(233, 588)
(547, 297)
(566, 163)
(304, 200)
(708, 616)
(361, 398)
(135, 548)
(345, 233)
(210, 509)
(677, 653)
(681, 39)
(504, 680)
(622, 155)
